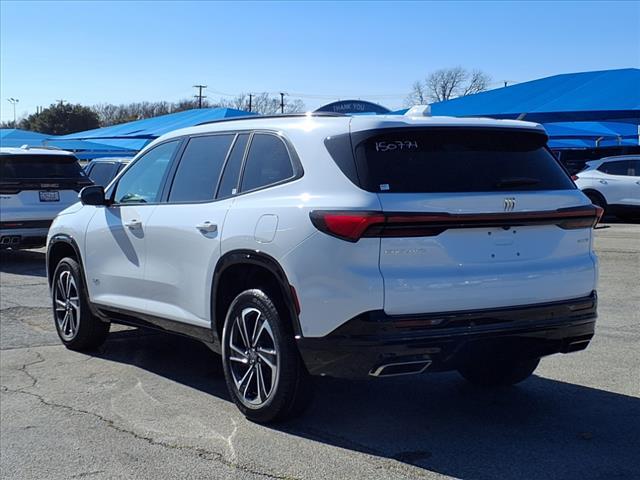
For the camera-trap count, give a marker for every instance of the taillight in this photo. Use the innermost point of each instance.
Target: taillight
(350, 226)
(354, 225)
(574, 177)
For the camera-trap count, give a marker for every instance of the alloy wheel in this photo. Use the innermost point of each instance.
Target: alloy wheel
(253, 357)
(67, 305)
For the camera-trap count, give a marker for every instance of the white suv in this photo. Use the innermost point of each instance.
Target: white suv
(613, 183)
(35, 185)
(336, 245)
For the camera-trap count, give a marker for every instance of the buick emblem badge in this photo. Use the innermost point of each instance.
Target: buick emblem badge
(509, 204)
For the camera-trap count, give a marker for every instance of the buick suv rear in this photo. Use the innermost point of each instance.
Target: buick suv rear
(368, 246)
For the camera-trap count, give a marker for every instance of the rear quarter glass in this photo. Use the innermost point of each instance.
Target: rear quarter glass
(438, 160)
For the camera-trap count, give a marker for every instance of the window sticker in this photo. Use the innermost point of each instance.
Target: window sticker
(384, 187)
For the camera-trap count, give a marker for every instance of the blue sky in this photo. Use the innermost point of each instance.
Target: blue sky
(92, 52)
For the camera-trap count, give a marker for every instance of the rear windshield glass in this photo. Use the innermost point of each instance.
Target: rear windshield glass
(456, 160)
(25, 167)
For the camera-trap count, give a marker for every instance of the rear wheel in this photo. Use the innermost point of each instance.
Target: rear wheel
(77, 327)
(495, 373)
(263, 369)
(597, 199)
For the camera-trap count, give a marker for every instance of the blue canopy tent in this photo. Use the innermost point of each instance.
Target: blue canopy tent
(11, 137)
(135, 135)
(609, 95)
(592, 134)
(14, 137)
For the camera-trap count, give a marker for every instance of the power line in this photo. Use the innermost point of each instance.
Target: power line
(199, 96)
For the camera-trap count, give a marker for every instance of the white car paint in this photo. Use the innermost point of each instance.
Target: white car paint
(26, 205)
(165, 266)
(616, 189)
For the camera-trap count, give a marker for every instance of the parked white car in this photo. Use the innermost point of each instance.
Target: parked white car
(35, 185)
(364, 246)
(613, 183)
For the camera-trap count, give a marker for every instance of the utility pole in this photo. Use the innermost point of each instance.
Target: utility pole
(60, 101)
(505, 83)
(13, 101)
(282, 102)
(250, 98)
(199, 96)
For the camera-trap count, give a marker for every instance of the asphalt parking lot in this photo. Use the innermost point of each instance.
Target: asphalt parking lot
(148, 405)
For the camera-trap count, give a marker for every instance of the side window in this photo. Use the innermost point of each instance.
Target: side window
(229, 181)
(615, 168)
(267, 162)
(197, 175)
(142, 182)
(102, 173)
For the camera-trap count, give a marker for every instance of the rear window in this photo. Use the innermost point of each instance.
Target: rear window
(38, 167)
(456, 160)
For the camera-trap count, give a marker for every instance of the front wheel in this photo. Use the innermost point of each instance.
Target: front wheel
(77, 327)
(495, 373)
(264, 373)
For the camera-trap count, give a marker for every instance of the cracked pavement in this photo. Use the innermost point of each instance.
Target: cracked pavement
(149, 405)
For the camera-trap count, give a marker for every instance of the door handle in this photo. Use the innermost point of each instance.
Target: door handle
(604, 182)
(207, 227)
(133, 224)
(638, 182)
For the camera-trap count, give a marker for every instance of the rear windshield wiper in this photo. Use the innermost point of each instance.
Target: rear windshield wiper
(516, 182)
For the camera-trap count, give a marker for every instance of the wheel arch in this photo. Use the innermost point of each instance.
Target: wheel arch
(240, 269)
(592, 191)
(59, 247)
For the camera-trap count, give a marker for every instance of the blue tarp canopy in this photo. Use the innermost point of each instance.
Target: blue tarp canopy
(612, 95)
(14, 137)
(591, 134)
(11, 137)
(150, 128)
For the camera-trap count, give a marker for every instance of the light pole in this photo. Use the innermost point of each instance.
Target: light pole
(13, 101)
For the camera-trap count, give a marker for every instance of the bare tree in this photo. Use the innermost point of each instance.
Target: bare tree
(263, 103)
(478, 82)
(418, 95)
(446, 84)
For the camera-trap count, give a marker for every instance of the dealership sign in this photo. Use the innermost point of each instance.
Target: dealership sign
(353, 106)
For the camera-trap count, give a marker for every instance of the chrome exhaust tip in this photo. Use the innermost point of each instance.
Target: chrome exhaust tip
(396, 369)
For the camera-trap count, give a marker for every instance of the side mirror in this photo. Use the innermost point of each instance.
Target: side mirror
(92, 195)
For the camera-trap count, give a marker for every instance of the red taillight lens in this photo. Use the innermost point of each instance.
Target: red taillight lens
(349, 226)
(352, 226)
(574, 177)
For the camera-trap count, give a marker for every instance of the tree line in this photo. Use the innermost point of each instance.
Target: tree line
(64, 118)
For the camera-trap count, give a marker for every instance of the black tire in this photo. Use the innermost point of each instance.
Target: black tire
(494, 373)
(77, 327)
(597, 199)
(285, 390)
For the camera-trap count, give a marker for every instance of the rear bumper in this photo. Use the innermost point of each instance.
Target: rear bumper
(443, 341)
(24, 233)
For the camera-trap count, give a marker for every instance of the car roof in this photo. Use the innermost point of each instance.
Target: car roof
(344, 123)
(26, 150)
(112, 159)
(616, 158)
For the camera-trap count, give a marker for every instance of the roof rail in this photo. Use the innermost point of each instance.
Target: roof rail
(282, 115)
(26, 146)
